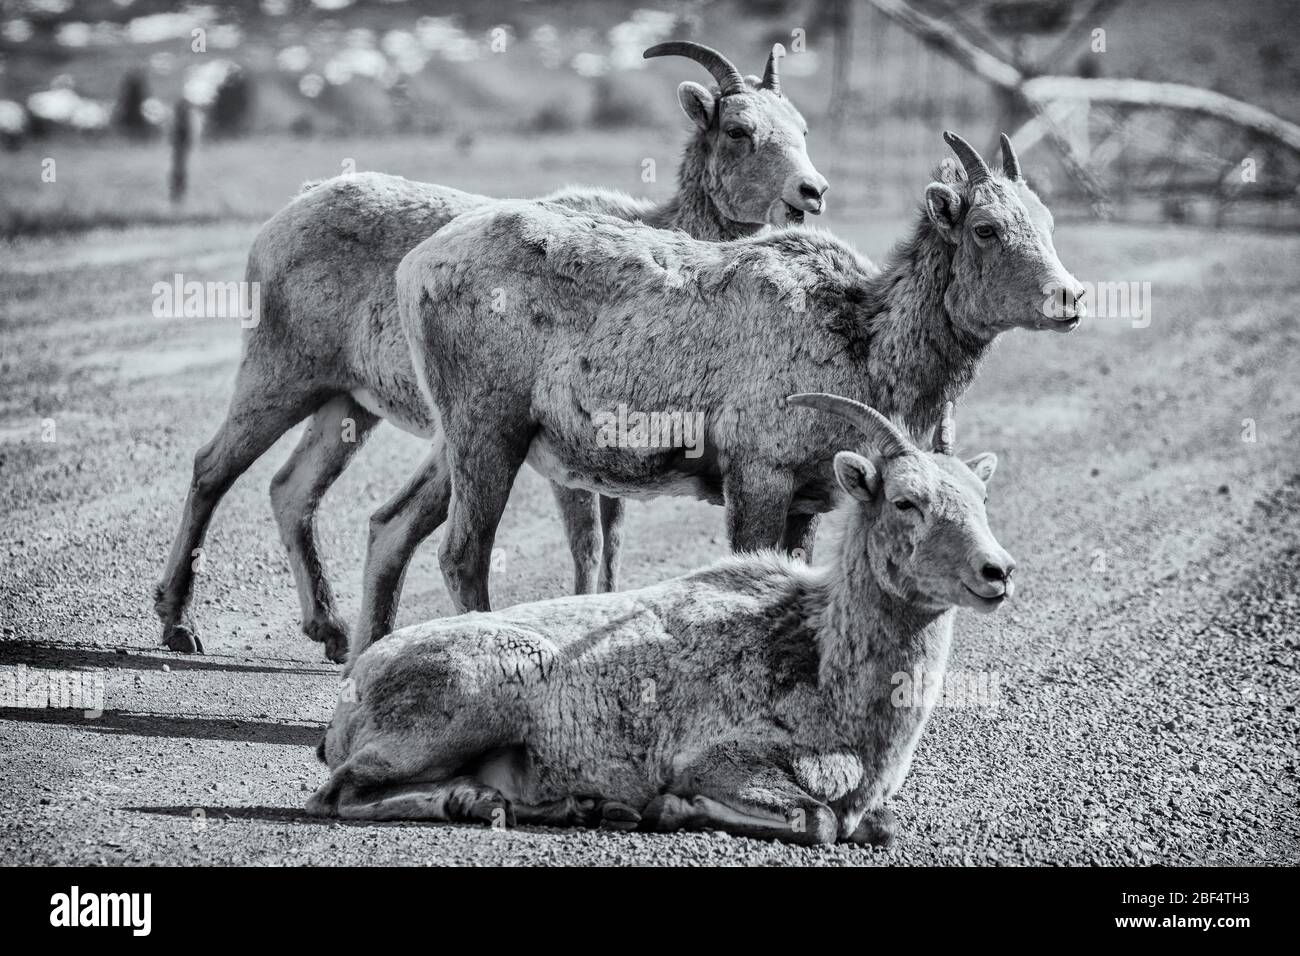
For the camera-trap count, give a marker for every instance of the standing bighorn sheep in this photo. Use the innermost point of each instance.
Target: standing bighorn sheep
(756, 696)
(528, 321)
(329, 344)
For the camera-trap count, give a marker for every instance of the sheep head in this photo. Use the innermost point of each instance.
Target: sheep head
(1005, 272)
(752, 140)
(927, 535)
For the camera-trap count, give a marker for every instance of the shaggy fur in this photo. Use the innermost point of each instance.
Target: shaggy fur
(528, 320)
(752, 696)
(329, 345)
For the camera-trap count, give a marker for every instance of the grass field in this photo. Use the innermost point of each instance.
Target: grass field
(1148, 665)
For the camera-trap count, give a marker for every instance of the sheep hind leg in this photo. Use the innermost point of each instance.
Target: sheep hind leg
(333, 435)
(261, 410)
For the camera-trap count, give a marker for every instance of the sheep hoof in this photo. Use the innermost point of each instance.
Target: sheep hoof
(470, 803)
(333, 635)
(618, 816)
(666, 813)
(878, 828)
(319, 805)
(179, 637)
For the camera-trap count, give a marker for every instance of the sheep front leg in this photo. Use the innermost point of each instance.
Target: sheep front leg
(742, 793)
(582, 528)
(458, 800)
(757, 500)
(396, 530)
(483, 469)
(800, 534)
(865, 824)
(611, 527)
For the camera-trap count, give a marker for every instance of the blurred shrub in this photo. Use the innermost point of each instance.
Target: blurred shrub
(229, 113)
(617, 104)
(554, 116)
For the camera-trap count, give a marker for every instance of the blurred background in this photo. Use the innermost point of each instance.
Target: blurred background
(251, 98)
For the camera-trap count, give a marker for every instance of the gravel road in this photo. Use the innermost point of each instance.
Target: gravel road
(1147, 670)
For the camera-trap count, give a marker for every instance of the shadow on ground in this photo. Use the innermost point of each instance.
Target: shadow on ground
(169, 725)
(74, 656)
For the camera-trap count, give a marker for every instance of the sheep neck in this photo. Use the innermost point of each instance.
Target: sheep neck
(867, 636)
(920, 354)
(691, 209)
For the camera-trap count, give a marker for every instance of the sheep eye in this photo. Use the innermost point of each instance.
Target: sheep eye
(736, 133)
(904, 505)
(985, 232)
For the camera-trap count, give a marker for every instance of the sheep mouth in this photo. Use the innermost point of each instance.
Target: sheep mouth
(987, 603)
(793, 215)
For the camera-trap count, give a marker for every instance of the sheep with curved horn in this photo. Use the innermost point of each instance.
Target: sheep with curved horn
(723, 70)
(758, 696)
(771, 73)
(328, 346)
(599, 314)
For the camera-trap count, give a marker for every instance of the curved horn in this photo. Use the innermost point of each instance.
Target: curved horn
(880, 431)
(771, 72)
(943, 436)
(977, 171)
(1010, 162)
(728, 77)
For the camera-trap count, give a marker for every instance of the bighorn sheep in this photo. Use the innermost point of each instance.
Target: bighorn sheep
(587, 314)
(329, 345)
(756, 696)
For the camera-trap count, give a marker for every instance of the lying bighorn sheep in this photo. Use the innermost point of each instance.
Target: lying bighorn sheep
(329, 344)
(755, 696)
(588, 313)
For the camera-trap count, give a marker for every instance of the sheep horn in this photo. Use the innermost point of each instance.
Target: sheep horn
(977, 171)
(771, 72)
(943, 438)
(1010, 162)
(728, 77)
(881, 433)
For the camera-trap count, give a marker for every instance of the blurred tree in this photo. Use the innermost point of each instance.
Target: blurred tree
(182, 138)
(128, 113)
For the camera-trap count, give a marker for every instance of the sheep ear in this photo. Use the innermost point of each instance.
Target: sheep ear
(943, 206)
(697, 103)
(857, 475)
(983, 465)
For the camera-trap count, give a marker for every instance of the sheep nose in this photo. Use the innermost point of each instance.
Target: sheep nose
(999, 572)
(1076, 299)
(811, 191)
(1066, 299)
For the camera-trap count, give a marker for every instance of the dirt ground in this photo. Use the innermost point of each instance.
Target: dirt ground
(1147, 668)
